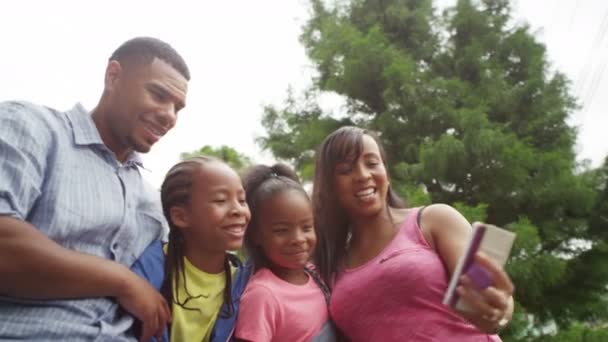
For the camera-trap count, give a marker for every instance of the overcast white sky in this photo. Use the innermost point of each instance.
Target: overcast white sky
(244, 54)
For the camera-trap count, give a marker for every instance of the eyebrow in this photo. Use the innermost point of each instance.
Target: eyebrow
(224, 190)
(165, 92)
(371, 154)
(306, 220)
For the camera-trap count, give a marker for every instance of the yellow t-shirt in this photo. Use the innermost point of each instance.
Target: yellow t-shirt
(196, 325)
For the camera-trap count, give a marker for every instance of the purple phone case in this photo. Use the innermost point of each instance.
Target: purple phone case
(478, 275)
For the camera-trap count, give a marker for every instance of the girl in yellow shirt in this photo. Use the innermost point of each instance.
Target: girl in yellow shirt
(204, 203)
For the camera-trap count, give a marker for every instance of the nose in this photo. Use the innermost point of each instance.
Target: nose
(299, 237)
(361, 172)
(168, 116)
(239, 209)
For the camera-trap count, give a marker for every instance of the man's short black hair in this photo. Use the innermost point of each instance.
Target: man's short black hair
(143, 50)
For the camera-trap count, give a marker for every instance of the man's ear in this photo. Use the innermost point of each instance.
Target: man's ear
(179, 217)
(114, 72)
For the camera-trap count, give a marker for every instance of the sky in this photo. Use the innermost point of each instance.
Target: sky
(245, 54)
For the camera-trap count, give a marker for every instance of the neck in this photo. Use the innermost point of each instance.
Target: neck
(208, 262)
(103, 127)
(367, 231)
(295, 276)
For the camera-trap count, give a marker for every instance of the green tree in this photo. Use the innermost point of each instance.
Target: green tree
(470, 115)
(232, 157)
(580, 333)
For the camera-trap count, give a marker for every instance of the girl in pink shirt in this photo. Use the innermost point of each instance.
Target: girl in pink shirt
(390, 265)
(285, 299)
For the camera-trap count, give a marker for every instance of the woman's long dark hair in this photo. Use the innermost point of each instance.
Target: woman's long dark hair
(331, 221)
(261, 183)
(176, 190)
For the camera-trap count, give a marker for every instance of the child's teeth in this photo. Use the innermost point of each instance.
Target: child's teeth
(365, 192)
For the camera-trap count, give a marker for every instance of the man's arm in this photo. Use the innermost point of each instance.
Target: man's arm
(34, 266)
(31, 264)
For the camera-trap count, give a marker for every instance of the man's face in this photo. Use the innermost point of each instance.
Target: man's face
(144, 102)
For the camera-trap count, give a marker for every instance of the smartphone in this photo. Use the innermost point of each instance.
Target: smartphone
(496, 243)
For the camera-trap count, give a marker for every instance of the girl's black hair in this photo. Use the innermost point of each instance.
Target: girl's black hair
(261, 183)
(176, 190)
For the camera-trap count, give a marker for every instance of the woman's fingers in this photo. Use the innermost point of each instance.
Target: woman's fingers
(480, 303)
(488, 294)
(500, 278)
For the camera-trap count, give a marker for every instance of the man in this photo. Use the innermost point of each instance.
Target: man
(75, 213)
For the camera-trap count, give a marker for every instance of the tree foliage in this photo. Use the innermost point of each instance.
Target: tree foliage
(472, 115)
(232, 157)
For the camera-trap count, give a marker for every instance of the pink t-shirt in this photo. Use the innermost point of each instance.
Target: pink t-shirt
(272, 309)
(397, 295)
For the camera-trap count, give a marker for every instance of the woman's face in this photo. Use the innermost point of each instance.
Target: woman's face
(362, 184)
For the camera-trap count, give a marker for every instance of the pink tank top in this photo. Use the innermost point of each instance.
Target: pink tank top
(397, 295)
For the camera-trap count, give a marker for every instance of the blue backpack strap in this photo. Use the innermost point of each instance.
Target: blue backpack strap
(151, 266)
(226, 319)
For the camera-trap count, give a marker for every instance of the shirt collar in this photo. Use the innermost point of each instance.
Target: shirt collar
(135, 158)
(83, 126)
(86, 133)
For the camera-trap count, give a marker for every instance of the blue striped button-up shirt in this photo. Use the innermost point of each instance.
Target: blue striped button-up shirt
(56, 173)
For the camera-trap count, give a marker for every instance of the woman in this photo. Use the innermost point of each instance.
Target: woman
(388, 265)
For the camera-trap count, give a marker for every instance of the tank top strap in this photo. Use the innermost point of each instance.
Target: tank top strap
(411, 228)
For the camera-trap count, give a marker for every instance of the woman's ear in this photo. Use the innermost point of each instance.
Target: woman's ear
(179, 216)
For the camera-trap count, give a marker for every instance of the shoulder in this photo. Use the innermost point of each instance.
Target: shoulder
(439, 212)
(262, 278)
(259, 292)
(30, 132)
(27, 117)
(258, 288)
(28, 111)
(258, 312)
(438, 219)
(264, 281)
(19, 107)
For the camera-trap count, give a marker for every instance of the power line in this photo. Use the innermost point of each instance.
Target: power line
(581, 81)
(596, 80)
